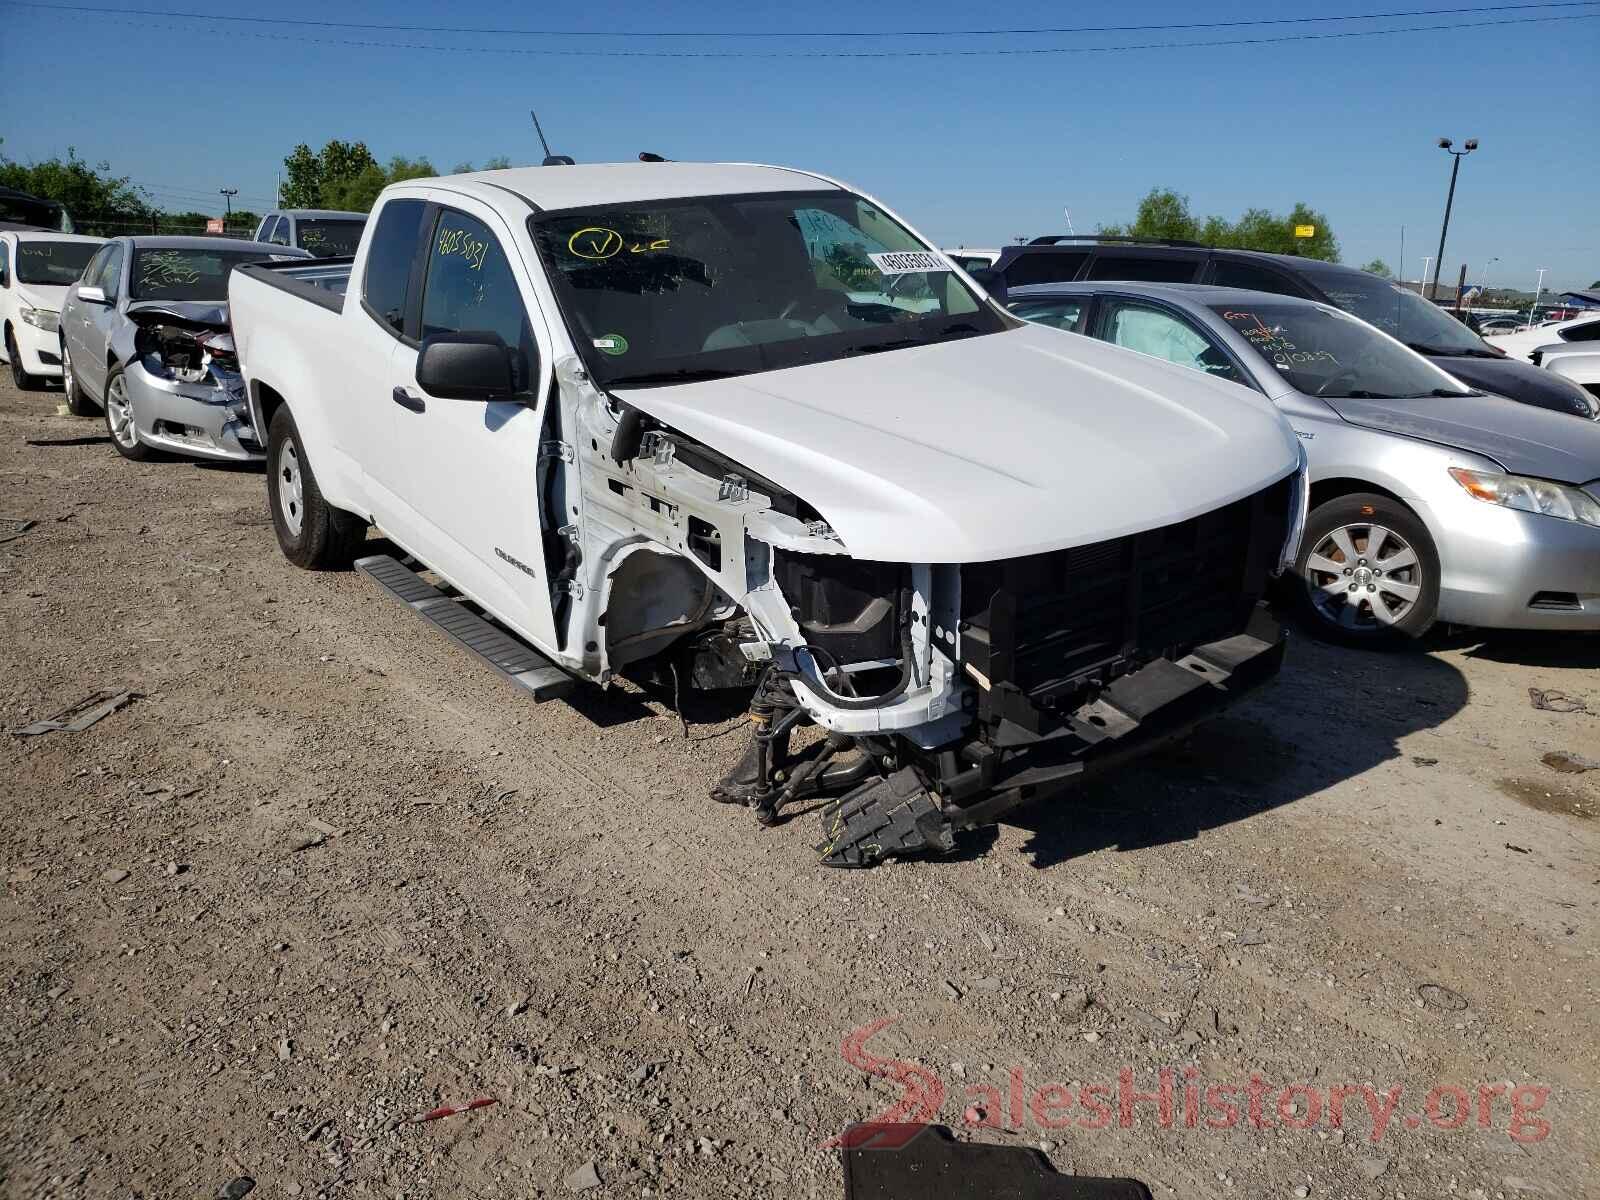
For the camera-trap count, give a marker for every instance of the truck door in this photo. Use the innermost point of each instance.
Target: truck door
(464, 473)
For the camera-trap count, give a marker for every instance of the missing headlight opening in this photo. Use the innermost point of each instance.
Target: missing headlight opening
(187, 351)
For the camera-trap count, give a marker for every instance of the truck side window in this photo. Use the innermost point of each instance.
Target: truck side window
(389, 259)
(470, 287)
(280, 232)
(1165, 335)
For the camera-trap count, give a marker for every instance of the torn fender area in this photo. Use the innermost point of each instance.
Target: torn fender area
(716, 539)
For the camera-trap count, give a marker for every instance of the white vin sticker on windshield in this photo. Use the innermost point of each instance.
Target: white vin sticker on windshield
(904, 262)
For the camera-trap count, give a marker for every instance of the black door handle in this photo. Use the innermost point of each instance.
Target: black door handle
(406, 400)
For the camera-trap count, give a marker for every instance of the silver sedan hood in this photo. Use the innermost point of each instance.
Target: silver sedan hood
(1522, 439)
(197, 312)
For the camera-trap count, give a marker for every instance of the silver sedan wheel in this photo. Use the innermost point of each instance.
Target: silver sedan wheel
(291, 487)
(1364, 577)
(119, 414)
(69, 384)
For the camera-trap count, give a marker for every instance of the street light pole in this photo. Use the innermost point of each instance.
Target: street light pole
(227, 198)
(1422, 283)
(1445, 144)
(1537, 288)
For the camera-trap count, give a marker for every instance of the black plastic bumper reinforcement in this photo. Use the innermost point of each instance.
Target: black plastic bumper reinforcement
(513, 658)
(899, 816)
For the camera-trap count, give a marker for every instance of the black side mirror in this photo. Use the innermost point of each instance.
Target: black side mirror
(467, 366)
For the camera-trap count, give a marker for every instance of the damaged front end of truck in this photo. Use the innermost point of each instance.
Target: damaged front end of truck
(183, 379)
(917, 698)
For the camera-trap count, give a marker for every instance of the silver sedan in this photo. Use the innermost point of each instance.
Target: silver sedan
(145, 338)
(1429, 500)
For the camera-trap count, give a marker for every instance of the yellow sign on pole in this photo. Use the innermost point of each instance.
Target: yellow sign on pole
(1305, 231)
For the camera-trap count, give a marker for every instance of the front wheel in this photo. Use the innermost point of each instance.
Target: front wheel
(78, 404)
(311, 532)
(25, 382)
(1368, 571)
(119, 419)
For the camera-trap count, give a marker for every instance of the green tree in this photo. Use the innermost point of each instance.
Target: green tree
(95, 198)
(1378, 267)
(1165, 213)
(358, 193)
(310, 177)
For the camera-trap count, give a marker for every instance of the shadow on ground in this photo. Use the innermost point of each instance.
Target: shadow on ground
(1332, 714)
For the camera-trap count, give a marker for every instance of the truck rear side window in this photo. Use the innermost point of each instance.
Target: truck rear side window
(389, 259)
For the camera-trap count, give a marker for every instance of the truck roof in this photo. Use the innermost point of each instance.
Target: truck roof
(560, 187)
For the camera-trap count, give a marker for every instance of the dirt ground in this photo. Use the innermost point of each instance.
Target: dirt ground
(325, 873)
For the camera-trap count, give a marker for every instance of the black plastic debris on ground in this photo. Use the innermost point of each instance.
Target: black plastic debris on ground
(913, 1162)
(84, 713)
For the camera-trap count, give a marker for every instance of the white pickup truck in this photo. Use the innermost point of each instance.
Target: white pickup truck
(740, 426)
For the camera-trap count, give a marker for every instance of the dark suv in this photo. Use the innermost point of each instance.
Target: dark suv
(1403, 314)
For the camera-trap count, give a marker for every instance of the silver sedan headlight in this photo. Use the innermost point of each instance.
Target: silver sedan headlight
(39, 318)
(1529, 495)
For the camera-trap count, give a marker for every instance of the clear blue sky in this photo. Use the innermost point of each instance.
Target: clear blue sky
(974, 150)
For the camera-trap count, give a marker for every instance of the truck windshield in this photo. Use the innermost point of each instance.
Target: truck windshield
(1324, 352)
(671, 290)
(57, 263)
(184, 274)
(328, 238)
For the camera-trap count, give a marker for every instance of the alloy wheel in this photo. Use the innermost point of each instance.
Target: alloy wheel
(1364, 577)
(119, 414)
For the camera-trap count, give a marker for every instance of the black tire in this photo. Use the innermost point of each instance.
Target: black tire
(1343, 593)
(118, 404)
(24, 381)
(311, 532)
(78, 403)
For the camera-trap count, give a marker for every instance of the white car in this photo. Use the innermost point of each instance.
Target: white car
(36, 269)
(659, 418)
(1578, 361)
(1522, 345)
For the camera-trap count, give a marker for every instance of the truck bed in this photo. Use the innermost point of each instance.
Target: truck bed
(321, 281)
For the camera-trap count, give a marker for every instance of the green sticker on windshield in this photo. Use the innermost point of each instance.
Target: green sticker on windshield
(612, 344)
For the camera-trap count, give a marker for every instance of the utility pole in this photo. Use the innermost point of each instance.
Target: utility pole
(1445, 144)
(227, 198)
(1537, 288)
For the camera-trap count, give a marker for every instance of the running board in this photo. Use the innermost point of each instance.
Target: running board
(513, 658)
